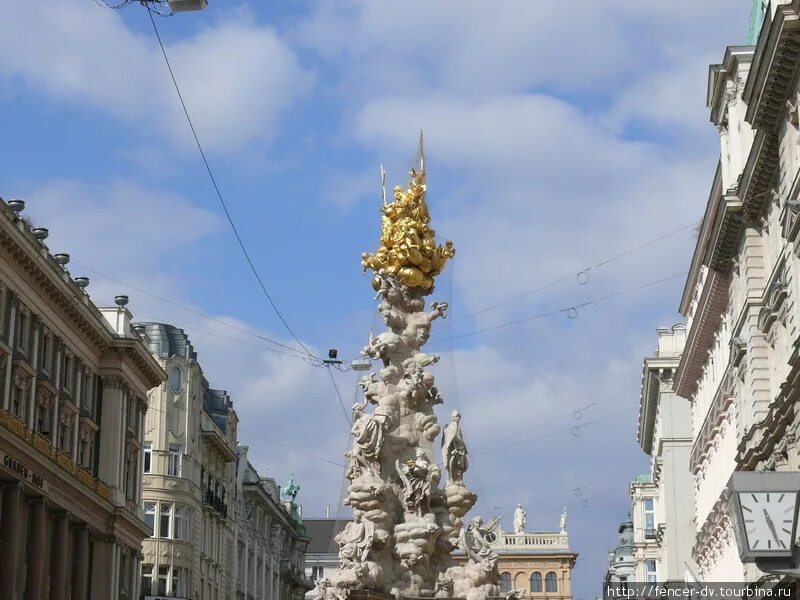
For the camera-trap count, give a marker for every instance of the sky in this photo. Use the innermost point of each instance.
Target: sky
(557, 135)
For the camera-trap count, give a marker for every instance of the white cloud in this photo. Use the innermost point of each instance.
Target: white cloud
(237, 77)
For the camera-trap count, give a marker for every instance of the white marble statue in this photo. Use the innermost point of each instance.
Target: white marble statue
(519, 519)
(367, 434)
(454, 451)
(563, 523)
(416, 477)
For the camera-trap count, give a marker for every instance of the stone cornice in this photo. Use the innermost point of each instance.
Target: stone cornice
(49, 279)
(718, 76)
(712, 424)
(705, 323)
(758, 176)
(699, 256)
(656, 372)
(774, 68)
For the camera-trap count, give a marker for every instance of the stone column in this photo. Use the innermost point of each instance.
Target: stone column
(102, 565)
(112, 435)
(32, 409)
(80, 563)
(246, 583)
(11, 333)
(58, 556)
(9, 533)
(34, 579)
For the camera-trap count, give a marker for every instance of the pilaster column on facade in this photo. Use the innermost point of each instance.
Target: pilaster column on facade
(111, 456)
(34, 578)
(59, 552)
(10, 361)
(140, 462)
(54, 426)
(121, 439)
(77, 401)
(80, 563)
(32, 389)
(757, 381)
(103, 568)
(246, 582)
(10, 534)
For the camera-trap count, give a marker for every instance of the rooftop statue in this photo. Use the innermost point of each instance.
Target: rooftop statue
(290, 490)
(519, 519)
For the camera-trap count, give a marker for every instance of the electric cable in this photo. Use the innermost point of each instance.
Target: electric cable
(338, 395)
(555, 432)
(219, 193)
(569, 310)
(582, 276)
(187, 308)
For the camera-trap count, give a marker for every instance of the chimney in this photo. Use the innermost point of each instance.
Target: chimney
(327, 511)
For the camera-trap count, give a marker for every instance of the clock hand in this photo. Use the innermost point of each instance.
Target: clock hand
(771, 525)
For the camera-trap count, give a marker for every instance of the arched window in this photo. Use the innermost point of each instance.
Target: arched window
(550, 582)
(505, 582)
(536, 582)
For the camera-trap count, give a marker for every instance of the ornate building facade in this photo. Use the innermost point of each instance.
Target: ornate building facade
(271, 540)
(537, 563)
(663, 522)
(189, 477)
(740, 366)
(74, 380)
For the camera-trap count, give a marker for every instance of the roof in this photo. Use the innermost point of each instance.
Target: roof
(322, 532)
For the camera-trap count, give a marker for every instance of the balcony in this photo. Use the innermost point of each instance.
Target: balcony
(650, 534)
(42, 444)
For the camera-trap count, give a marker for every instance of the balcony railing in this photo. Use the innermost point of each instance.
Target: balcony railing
(650, 534)
(17, 426)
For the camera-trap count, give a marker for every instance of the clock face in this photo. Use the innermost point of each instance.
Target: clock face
(768, 519)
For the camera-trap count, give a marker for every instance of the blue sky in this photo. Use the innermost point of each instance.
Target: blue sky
(557, 135)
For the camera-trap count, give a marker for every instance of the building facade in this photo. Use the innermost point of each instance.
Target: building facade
(189, 477)
(271, 540)
(740, 366)
(621, 560)
(538, 563)
(663, 521)
(322, 557)
(74, 380)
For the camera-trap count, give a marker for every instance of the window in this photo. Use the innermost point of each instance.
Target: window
(148, 456)
(505, 582)
(177, 587)
(650, 571)
(180, 523)
(649, 517)
(150, 516)
(165, 522)
(23, 323)
(536, 582)
(174, 465)
(44, 353)
(175, 379)
(43, 419)
(163, 577)
(147, 580)
(550, 582)
(66, 372)
(317, 573)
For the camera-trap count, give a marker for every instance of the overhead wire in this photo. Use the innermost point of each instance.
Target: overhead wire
(574, 429)
(581, 276)
(188, 309)
(571, 311)
(219, 193)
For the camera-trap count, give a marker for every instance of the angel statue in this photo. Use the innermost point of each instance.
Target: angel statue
(415, 475)
(367, 434)
(519, 519)
(454, 451)
(355, 541)
(473, 541)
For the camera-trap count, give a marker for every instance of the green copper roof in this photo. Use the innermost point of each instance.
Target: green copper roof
(756, 20)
